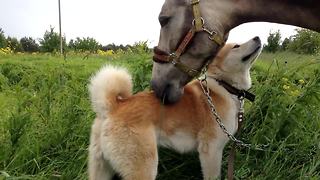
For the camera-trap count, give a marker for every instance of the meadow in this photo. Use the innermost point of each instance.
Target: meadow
(45, 117)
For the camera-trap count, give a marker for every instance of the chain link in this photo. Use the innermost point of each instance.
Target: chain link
(218, 119)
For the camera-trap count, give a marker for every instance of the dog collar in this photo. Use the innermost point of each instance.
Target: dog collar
(240, 93)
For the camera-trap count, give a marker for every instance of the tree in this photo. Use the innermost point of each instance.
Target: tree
(14, 44)
(285, 44)
(71, 45)
(51, 41)
(3, 41)
(273, 42)
(29, 45)
(305, 42)
(114, 47)
(84, 44)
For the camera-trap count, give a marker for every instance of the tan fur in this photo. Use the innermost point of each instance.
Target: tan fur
(126, 140)
(221, 56)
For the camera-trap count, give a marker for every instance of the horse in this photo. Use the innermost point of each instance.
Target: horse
(192, 32)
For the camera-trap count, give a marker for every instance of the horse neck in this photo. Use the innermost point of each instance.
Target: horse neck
(300, 13)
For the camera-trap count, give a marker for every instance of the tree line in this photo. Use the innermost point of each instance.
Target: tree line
(50, 42)
(303, 42)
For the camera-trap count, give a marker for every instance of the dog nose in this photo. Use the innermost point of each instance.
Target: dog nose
(256, 38)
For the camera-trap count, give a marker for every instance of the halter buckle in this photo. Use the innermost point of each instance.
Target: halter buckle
(193, 72)
(173, 57)
(242, 95)
(202, 21)
(193, 2)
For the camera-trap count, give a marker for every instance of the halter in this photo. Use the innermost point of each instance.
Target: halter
(198, 25)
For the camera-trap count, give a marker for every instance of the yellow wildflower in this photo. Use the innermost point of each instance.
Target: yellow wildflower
(295, 93)
(286, 87)
(105, 53)
(284, 79)
(109, 53)
(5, 51)
(301, 81)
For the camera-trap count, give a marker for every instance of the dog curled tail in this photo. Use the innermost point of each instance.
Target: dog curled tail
(107, 87)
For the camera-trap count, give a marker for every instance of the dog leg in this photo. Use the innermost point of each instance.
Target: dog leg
(132, 152)
(99, 169)
(210, 158)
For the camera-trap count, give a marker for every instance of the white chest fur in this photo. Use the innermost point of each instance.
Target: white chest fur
(180, 141)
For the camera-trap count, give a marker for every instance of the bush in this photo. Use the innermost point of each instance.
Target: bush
(29, 45)
(5, 51)
(305, 42)
(273, 44)
(140, 47)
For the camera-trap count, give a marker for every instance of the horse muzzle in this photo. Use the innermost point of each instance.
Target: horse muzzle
(167, 93)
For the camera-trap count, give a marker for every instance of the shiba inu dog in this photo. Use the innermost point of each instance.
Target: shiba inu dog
(128, 128)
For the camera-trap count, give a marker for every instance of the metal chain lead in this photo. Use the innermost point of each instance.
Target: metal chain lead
(218, 119)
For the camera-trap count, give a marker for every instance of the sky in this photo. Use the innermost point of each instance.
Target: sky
(108, 21)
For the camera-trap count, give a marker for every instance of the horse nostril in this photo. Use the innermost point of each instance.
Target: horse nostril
(153, 84)
(165, 94)
(156, 89)
(162, 92)
(256, 38)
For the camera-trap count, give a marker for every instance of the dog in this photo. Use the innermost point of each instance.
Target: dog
(128, 128)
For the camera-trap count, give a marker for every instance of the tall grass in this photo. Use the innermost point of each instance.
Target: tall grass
(45, 118)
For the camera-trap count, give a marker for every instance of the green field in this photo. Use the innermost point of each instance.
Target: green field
(45, 118)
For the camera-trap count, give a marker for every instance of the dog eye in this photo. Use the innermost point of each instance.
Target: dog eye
(236, 46)
(164, 20)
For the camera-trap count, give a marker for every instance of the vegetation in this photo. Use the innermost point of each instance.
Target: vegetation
(273, 42)
(29, 45)
(84, 44)
(14, 44)
(3, 41)
(45, 114)
(45, 117)
(303, 42)
(50, 43)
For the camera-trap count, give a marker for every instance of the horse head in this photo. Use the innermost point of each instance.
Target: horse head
(190, 37)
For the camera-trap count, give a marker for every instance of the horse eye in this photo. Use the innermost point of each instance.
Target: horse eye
(164, 20)
(236, 46)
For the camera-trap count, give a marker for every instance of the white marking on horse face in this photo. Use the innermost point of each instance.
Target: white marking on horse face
(170, 33)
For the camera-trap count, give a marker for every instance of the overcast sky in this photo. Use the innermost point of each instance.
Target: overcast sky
(108, 21)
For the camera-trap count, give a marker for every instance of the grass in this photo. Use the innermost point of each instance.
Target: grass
(45, 118)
